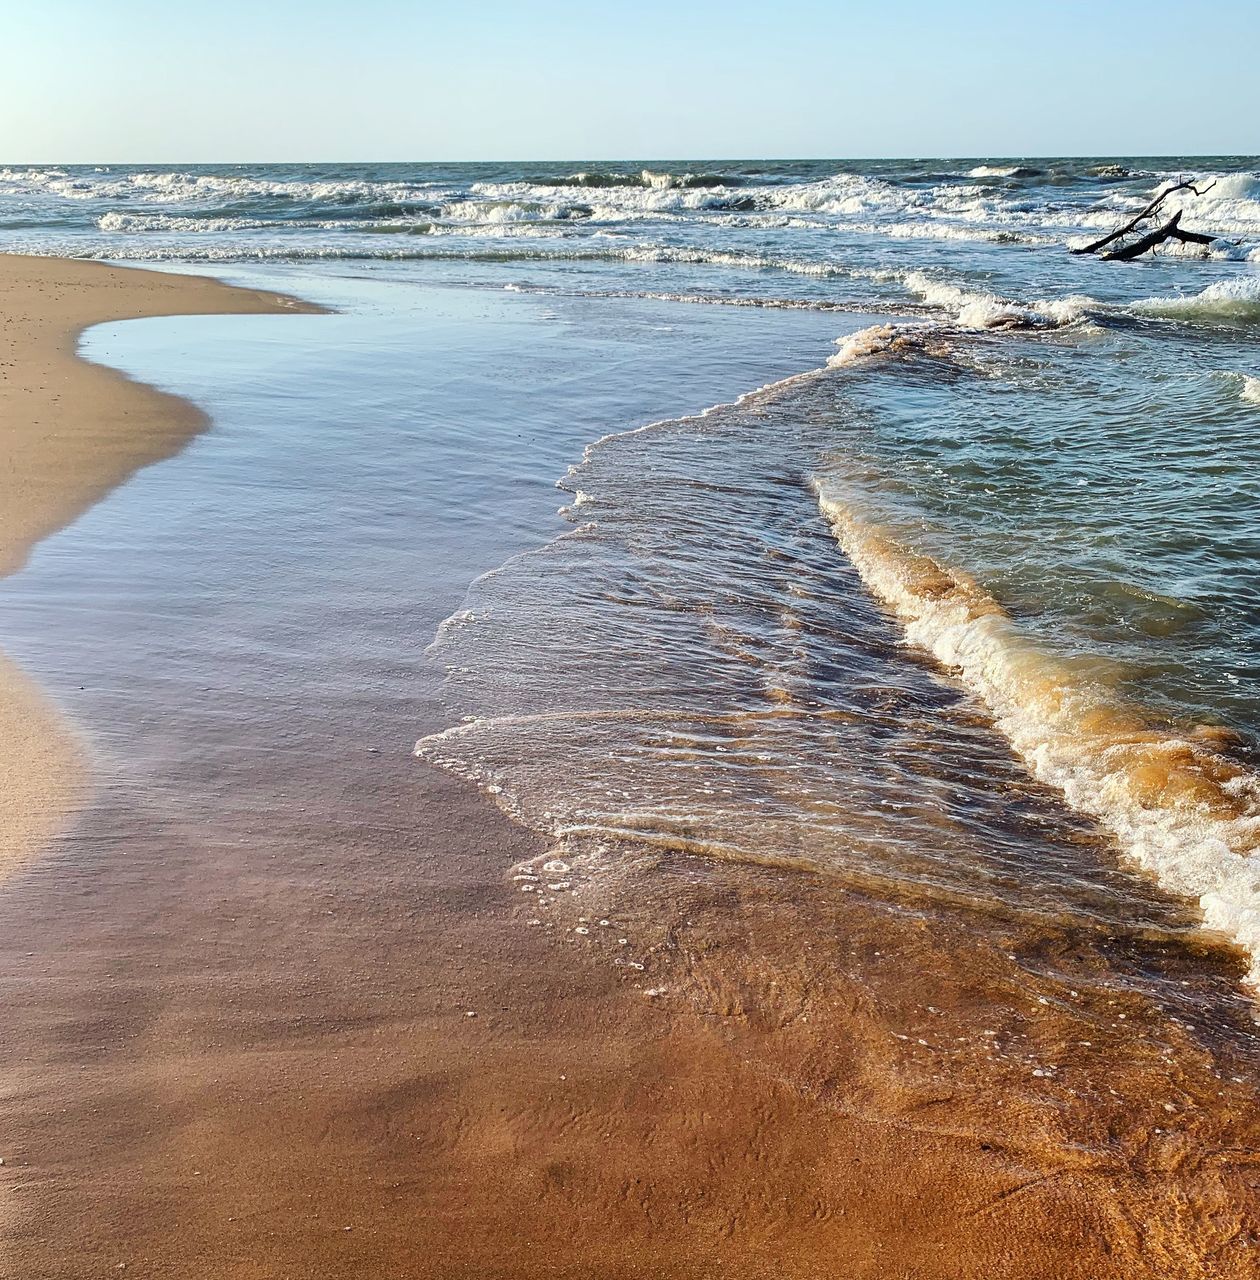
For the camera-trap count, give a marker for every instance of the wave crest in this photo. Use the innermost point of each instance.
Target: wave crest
(974, 309)
(1179, 805)
(1236, 300)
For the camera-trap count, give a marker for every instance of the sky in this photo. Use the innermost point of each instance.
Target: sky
(170, 81)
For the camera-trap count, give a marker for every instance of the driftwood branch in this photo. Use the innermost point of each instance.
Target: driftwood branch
(1148, 241)
(1192, 237)
(1170, 229)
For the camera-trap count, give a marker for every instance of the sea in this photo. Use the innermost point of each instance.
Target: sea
(917, 571)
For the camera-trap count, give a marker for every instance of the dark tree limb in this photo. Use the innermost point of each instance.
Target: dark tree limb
(1192, 237)
(1133, 223)
(1148, 241)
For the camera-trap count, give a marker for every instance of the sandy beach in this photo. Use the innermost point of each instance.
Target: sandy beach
(274, 1008)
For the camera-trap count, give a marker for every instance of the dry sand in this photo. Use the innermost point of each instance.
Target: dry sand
(69, 432)
(237, 1040)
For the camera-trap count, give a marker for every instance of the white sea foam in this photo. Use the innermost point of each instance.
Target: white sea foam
(855, 203)
(545, 249)
(1236, 299)
(880, 339)
(1179, 807)
(937, 229)
(1229, 206)
(975, 309)
(861, 204)
(494, 212)
(181, 223)
(834, 227)
(1229, 203)
(612, 203)
(1250, 390)
(175, 187)
(745, 261)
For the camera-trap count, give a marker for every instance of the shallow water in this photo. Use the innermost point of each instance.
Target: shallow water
(1041, 478)
(361, 470)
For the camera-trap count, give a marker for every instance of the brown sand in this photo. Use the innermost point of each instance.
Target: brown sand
(71, 431)
(237, 1043)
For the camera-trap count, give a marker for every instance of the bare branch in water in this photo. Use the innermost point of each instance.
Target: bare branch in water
(1169, 230)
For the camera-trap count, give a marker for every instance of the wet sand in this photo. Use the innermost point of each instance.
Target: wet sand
(278, 1011)
(72, 431)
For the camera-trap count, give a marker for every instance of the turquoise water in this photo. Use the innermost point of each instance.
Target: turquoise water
(1037, 487)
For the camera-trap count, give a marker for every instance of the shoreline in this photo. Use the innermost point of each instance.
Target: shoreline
(74, 431)
(277, 1007)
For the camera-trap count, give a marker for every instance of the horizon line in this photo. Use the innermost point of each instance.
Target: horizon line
(684, 159)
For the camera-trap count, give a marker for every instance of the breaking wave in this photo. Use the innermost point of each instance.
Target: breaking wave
(1232, 301)
(601, 179)
(1003, 171)
(975, 309)
(993, 204)
(1179, 805)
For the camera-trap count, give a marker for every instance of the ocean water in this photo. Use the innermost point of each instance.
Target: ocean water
(963, 618)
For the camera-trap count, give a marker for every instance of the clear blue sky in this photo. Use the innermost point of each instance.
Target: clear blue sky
(170, 80)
